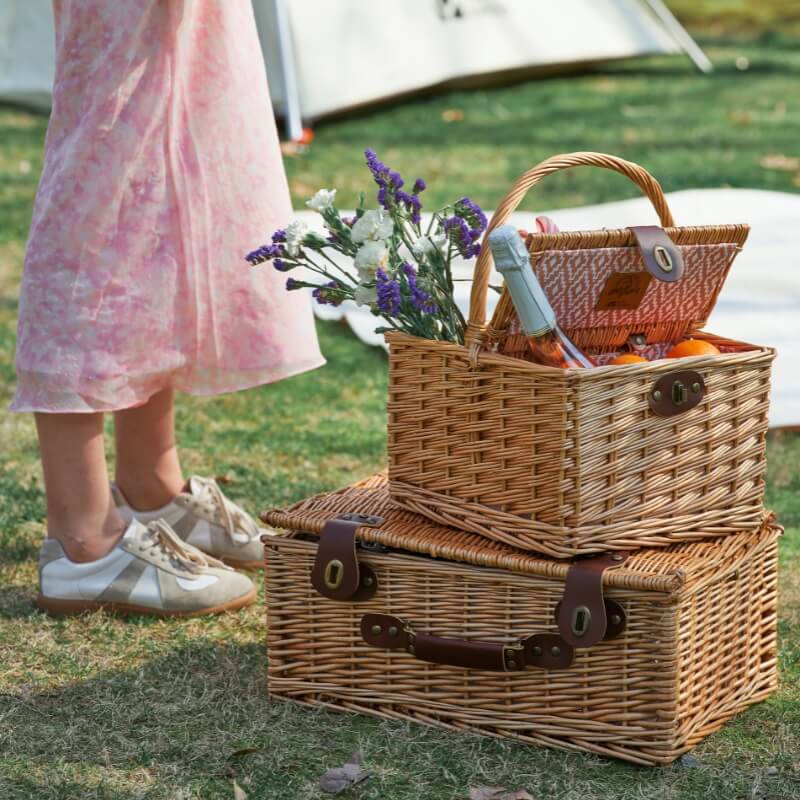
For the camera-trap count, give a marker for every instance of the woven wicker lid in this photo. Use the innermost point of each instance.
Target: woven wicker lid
(681, 567)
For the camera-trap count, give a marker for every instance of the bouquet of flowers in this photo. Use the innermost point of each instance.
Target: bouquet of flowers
(400, 271)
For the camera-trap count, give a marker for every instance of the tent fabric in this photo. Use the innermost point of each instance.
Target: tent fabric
(443, 41)
(760, 302)
(27, 52)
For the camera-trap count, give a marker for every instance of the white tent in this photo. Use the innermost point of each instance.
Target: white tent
(27, 56)
(328, 57)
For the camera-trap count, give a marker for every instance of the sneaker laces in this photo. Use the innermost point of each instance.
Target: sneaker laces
(234, 519)
(188, 557)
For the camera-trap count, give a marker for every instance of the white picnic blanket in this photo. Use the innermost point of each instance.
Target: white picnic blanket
(760, 302)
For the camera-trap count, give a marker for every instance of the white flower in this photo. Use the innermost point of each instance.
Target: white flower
(295, 233)
(371, 256)
(426, 245)
(365, 296)
(373, 226)
(322, 199)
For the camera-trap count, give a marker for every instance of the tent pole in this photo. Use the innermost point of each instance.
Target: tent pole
(681, 36)
(294, 120)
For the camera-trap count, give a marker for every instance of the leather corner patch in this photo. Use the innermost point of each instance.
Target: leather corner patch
(623, 290)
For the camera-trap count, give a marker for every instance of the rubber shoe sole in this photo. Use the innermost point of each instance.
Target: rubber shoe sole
(62, 608)
(236, 564)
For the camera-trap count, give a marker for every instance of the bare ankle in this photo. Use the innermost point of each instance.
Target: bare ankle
(149, 495)
(83, 544)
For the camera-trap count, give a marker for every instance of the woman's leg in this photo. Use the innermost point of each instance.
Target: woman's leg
(148, 470)
(80, 511)
(147, 573)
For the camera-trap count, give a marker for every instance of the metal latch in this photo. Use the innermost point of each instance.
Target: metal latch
(676, 392)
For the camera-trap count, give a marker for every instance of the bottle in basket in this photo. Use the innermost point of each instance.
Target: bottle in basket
(549, 345)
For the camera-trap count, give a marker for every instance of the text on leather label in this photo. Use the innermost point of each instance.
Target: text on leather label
(623, 290)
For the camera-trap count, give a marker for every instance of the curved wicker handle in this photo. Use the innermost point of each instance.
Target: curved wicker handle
(483, 268)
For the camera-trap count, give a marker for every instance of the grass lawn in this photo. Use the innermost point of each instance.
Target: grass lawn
(100, 707)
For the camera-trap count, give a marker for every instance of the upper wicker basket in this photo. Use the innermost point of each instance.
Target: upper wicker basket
(566, 462)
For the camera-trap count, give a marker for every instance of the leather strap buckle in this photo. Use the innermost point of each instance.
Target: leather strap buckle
(584, 617)
(662, 257)
(337, 573)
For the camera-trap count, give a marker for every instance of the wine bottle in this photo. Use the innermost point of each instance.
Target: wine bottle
(548, 344)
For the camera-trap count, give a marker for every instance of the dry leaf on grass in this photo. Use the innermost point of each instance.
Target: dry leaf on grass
(452, 115)
(498, 793)
(238, 792)
(340, 778)
(780, 162)
(243, 751)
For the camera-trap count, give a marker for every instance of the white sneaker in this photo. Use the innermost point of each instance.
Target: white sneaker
(149, 571)
(209, 521)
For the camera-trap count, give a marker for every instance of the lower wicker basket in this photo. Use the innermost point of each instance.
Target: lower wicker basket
(696, 646)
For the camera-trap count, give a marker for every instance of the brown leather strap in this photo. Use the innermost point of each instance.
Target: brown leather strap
(545, 650)
(581, 615)
(662, 257)
(336, 573)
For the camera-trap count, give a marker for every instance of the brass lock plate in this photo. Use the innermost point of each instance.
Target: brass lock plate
(676, 392)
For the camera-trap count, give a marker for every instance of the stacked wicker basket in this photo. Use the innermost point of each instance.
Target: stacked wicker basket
(442, 595)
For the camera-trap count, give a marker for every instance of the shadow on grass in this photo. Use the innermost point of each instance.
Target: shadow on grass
(182, 716)
(26, 788)
(17, 602)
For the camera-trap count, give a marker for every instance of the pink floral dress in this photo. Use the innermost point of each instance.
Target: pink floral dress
(162, 170)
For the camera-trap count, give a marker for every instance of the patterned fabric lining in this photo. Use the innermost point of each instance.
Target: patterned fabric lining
(573, 280)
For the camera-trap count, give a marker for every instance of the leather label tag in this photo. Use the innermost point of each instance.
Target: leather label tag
(623, 290)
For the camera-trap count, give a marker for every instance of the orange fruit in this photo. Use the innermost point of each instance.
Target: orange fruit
(693, 347)
(627, 358)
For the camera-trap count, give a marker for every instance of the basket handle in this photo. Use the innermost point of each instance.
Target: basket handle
(483, 268)
(544, 650)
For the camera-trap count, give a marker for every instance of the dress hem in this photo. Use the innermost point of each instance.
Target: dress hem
(21, 406)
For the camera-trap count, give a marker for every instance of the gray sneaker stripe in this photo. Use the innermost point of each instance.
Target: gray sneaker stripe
(219, 539)
(119, 590)
(185, 525)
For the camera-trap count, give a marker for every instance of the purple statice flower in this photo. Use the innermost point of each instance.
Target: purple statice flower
(325, 297)
(472, 213)
(412, 203)
(388, 290)
(332, 238)
(388, 181)
(292, 284)
(462, 236)
(279, 236)
(265, 253)
(281, 265)
(419, 186)
(420, 299)
(349, 221)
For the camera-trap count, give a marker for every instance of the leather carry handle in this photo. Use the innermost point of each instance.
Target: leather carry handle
(544, 650)
(483, 267)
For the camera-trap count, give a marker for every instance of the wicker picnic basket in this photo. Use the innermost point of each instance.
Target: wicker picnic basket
(565, 462)
(637, 656)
